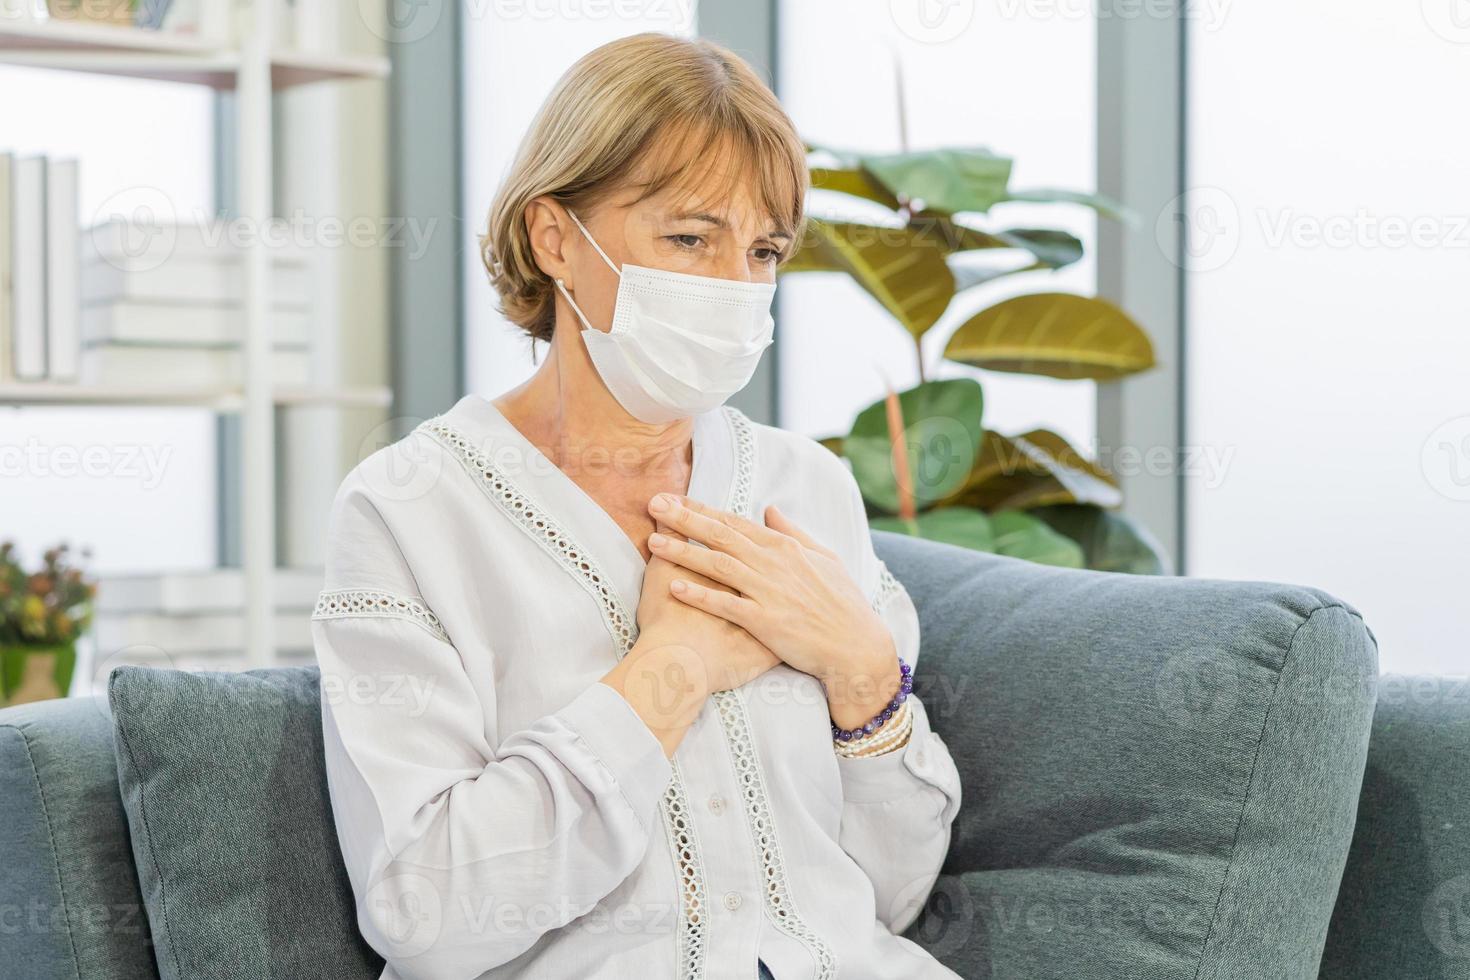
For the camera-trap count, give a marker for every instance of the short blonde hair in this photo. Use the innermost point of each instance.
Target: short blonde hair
(653, 99)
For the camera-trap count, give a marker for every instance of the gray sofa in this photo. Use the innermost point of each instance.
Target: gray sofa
(1163, 778)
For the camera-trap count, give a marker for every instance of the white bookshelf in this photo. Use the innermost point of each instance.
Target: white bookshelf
(254, 67)
(19, 34)
(218, 70)
(21, 393)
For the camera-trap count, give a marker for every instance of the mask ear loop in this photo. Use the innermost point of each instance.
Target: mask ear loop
(563, 286)
(575, 308)
(588, 235)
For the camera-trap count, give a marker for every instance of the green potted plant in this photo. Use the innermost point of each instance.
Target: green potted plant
(119, 12)
(925, 462)
(42, 614)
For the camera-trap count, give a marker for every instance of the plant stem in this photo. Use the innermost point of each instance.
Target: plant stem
(919, 357)
(898, 446)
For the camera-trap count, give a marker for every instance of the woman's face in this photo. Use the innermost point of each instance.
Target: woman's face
(675, 230)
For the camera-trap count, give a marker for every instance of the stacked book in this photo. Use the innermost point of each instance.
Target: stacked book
(165, 305)
(39, 257)
(196, 620)
(307, 25)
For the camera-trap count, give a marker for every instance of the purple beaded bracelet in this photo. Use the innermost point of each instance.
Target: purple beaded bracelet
(906, 684)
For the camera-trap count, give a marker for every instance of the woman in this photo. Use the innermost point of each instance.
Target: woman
(613, 682)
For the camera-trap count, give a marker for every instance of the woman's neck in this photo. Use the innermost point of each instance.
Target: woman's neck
(565, 411)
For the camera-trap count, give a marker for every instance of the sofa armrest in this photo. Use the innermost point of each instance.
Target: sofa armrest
(1404, 906)
(70, 906)
(1144, 746)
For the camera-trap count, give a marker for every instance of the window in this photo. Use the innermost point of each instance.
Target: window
(1326, 312)
(971, 78)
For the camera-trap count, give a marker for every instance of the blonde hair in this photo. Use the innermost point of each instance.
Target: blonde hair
(652, 99)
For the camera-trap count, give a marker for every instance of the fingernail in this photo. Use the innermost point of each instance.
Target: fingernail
(656, 540)
(678, 585)
(660, 503)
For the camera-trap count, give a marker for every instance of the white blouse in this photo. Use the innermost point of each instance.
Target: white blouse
(502, 814)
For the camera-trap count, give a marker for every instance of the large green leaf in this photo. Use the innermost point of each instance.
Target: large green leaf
(965, 179)
(960, 526)
(1020, 535)
(1059, 335)
(813, 254)
(854, 181)
(945, 180)
(949, 235)
(1110, 542)
(1031, 470)
(1052, 247)
(941, 434)
(974, 260)
(843, 158)
(902, 269)
(969, 275)
(1101, 203)
(915, 271)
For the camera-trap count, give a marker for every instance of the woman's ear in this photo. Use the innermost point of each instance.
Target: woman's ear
(546, 221)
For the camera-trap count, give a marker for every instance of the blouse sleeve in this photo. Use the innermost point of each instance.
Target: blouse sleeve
(461, 853)
(898, 807)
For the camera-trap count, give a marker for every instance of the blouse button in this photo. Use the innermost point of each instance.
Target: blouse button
(732, 900)
(717, 804)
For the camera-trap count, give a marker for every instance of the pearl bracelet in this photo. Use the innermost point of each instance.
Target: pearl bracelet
(894, 737)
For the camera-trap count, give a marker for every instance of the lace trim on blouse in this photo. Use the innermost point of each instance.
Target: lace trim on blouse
(679, 829)
(744, 439)
(888, 587)
(542, 529)
(735, 719)
(360, 603)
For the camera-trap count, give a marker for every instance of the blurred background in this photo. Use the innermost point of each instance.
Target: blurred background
(1182, 289)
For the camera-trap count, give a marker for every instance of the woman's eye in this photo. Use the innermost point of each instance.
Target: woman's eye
(768, 254)
(686, 241)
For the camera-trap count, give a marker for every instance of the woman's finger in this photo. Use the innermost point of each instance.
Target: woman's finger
(726, 605)
(778, 521)
(753, 530)
(716, 565)
(670, 510)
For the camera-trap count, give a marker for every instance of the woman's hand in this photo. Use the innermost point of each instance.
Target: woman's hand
(728, 655)
(794, 596)
(681, 657)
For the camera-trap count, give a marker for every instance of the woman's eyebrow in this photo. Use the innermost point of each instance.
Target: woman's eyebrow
(719, 222)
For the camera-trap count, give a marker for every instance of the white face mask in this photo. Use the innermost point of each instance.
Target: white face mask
(679, 344)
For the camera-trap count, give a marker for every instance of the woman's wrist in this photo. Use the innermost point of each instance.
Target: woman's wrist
(664, 684)
(860, 692)
(893, 736)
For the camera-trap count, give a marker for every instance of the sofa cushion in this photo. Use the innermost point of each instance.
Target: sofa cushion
(1404, 907)
(71, 907)
(1160, 774)
(226, 797)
